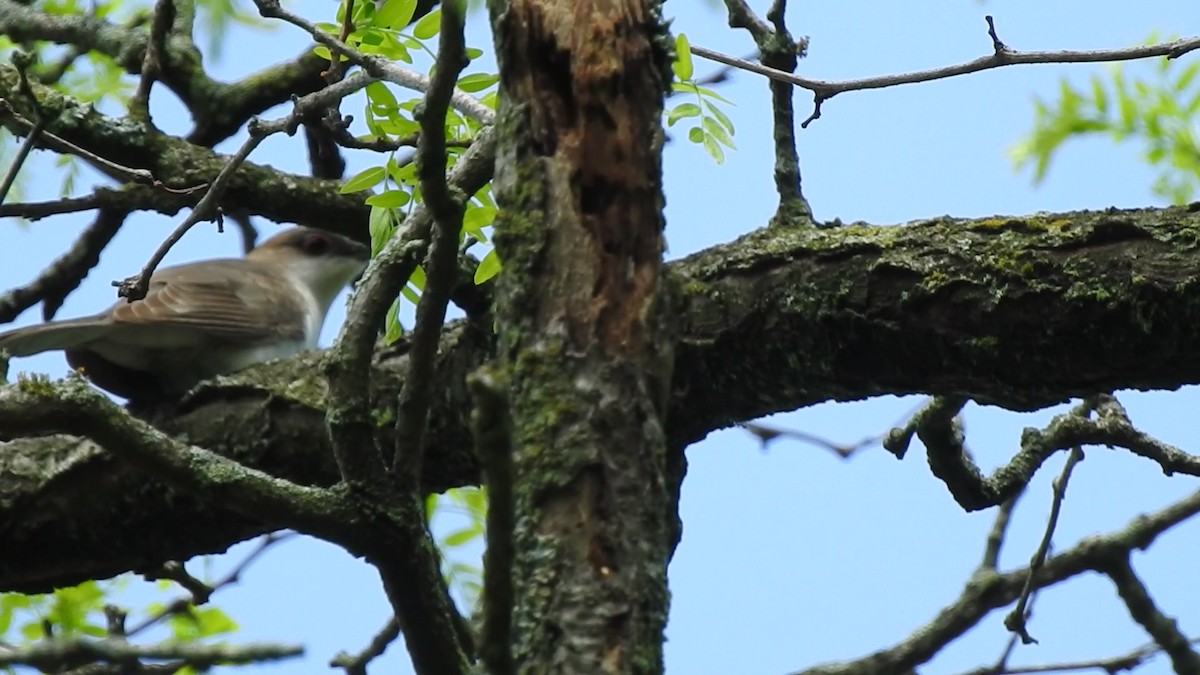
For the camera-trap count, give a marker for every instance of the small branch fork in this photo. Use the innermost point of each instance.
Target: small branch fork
(64, 274)
(1002, 55)
(53, 655)
(780, 52)
(989, 589)
(135, 287)
(940, 429)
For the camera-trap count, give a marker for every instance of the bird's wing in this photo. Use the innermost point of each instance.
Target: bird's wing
(53, 335)
(217, 300)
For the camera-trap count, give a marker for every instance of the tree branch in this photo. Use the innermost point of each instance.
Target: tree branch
(64, 274)
(869, 308)
(987, 591)
(1002, 56)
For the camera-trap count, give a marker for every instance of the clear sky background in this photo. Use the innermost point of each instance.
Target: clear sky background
(790, 557)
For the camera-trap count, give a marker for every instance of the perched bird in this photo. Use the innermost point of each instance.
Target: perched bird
(206, 318)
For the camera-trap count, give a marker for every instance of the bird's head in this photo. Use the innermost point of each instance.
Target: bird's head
(323, 261)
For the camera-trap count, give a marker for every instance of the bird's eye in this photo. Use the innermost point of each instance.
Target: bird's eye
(315, 244)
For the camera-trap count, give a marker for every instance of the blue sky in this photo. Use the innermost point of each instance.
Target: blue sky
(792, 557)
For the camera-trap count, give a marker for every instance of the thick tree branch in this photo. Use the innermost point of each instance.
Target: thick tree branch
(254, 189)
(778, 320)
(35, 408)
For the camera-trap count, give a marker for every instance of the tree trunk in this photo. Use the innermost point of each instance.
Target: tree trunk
(582, 341)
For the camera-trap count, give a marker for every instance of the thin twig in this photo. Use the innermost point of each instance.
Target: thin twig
(64, 274)
(200, 592)
(22, 61)
(10, 176)
(135, 287)
(446, 207)
(58, 144)
(357, 664)
(995, 539)
(164, 17)
(824, 90)
(378, 67)
(1015, 621)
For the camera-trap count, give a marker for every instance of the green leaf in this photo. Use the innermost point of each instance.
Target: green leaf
(379, 95)
(721, 116)
(681, 111)
(477, 82)
(714, 149)
(488, 267)
(714, 129)
(391, 199)
(428, 26)
(418, 278)
(392, 329)
(696, 135)
(1186, 77)
(460, 537)
(1099, 96)
(473, 53)
(410, 295)
(213, 621)
(395, 13)
(683, 58)
(709, 93)
(382, 224)
(476, 218)
(323, 52)
(363, 180)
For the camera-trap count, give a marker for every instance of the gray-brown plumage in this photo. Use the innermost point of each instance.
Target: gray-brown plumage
(207, 318)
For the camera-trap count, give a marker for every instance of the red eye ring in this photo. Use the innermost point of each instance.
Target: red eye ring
(315, 244)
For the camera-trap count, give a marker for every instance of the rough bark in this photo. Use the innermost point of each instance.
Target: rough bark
(582, 340)
(1021, 312)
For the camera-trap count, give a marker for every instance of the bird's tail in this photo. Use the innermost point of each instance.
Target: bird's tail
(52, 335)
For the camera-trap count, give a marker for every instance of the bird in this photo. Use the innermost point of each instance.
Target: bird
(207, 318)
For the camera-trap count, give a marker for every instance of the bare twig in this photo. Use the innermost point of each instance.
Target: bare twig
(950, 461)
(1002, 56)
(10, 176)
(995, 539)
(152, 64)
(1113, 664)
(1015, 621)
(767, 434)
(779, 52)
(135, 287)
(200, 592)
(50, 140)
(1162, 628)
(988, 591)
(22, 61)
(378, 67)
(64, 274)
(446, 207)
(357, 664)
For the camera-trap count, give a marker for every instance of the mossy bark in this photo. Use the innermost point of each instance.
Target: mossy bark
(582, 336)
